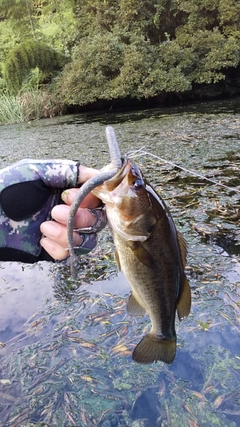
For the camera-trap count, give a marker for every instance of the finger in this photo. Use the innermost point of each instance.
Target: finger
(55, 250)
(58, 233)
(85, 173)
(90, 201)
(84, 217)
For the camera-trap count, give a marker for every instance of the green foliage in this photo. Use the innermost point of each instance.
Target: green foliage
(33, 80)
(120, 48)
(58, 26)
(91, 74)
(26, 56)
(105, 68)
(7, 41)
(3, 86)
(228, 15)
(150, 18)
(210, 53)
(22, 16)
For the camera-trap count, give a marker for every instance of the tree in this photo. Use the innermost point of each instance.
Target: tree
(124, 48)
(91, 74)
(24, 57)
(21, 16)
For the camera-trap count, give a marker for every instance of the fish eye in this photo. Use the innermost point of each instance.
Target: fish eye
(138, 184)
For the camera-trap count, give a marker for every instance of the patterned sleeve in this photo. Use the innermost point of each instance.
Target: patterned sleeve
(28, 191)
(54, 173)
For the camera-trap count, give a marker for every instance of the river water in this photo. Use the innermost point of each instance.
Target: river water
(65, 348)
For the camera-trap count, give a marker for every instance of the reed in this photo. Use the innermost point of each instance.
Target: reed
(38, 104)
(27, 106)
(10, 109)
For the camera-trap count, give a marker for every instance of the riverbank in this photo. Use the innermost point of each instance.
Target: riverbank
(39, 104)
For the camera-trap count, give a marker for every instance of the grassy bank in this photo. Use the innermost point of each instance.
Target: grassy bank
(11, 110)
(28, 106)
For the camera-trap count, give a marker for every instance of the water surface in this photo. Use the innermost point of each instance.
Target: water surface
(66, 349)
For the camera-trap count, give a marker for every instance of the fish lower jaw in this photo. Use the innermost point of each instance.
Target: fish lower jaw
(115, 198)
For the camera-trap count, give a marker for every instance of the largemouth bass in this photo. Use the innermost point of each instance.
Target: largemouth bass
(152, 255)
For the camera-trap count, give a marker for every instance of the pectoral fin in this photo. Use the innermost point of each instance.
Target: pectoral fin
(142, 254)
(134, 308)
(184, 302)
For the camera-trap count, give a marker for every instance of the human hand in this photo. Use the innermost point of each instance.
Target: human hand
(29, 191)
(55, 240)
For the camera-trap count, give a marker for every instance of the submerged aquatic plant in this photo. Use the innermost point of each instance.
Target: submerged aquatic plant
(80, 369)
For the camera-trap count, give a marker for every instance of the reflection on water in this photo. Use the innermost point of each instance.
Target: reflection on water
(22, 290)
(65, 350)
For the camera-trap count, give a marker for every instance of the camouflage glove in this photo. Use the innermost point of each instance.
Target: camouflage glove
(28, 191)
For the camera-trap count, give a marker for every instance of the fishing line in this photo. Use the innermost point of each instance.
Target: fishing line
(135, 153)
(141, 151)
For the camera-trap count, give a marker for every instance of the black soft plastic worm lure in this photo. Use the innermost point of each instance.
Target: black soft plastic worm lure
(87, 187)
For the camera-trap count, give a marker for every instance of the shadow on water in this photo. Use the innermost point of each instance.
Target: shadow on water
(123, 116)
(65, 349)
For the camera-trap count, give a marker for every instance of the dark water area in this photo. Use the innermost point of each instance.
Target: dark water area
(65, 347)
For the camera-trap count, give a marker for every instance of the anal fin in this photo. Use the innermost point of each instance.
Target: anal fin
(184, 303)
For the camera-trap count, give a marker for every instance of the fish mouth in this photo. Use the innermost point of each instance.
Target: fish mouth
(112, 183)
(128, 169)
(122, 186)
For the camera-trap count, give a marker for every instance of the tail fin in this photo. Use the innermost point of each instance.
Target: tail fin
(152, 348)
